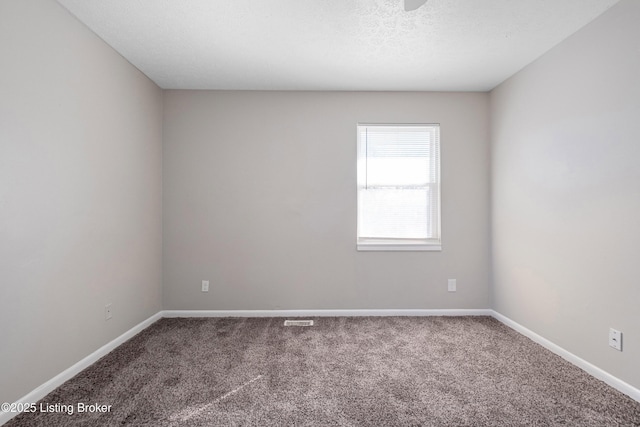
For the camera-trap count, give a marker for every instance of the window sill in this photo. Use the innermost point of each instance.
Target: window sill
(398, 246)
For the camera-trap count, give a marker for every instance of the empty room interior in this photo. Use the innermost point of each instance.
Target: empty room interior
(442, 199)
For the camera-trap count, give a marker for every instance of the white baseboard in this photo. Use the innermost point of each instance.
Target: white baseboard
(326, 313)
(593, 370)
(69, 373)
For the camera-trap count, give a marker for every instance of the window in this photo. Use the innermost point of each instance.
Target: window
(398, 187)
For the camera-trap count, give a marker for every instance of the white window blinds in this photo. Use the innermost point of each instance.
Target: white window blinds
(398, 187)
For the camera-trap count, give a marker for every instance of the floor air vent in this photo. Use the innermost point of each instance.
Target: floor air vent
(298, 323)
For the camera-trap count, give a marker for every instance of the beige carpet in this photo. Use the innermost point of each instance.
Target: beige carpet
(370, 371)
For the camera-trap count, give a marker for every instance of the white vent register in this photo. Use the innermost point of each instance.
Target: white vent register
(298, 323)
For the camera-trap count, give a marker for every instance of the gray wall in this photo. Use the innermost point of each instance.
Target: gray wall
(80, 194)
(566, 193)
(260, 199)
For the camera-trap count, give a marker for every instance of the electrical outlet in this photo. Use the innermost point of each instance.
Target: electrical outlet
(205, 286)
(452, 285)
(108, 313)
(615, 339)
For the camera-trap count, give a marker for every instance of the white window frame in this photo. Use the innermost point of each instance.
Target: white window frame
(401, 244)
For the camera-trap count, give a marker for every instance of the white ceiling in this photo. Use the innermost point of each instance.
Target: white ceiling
(446, 45)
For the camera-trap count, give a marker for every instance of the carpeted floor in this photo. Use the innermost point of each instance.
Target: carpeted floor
(367, 371)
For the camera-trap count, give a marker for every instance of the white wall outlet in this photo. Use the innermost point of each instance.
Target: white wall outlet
(108, 313)
(205, 286)
(452, 285)
(615, 339)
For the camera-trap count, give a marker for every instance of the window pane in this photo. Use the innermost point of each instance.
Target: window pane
(394, 213)
(397, 171)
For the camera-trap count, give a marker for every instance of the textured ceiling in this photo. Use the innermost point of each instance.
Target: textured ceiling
(459, 45)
